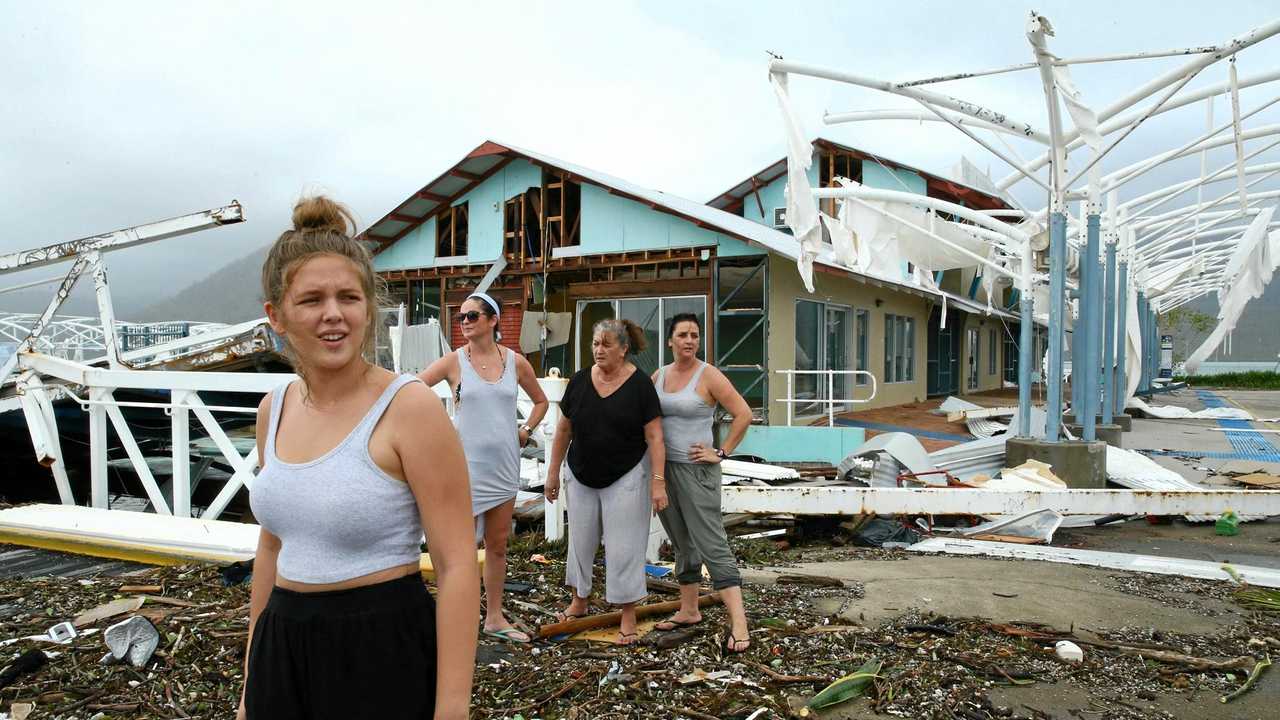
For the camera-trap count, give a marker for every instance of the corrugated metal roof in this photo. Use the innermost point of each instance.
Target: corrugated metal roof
(24, 562)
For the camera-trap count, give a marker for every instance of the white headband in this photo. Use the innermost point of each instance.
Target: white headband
(488, 300)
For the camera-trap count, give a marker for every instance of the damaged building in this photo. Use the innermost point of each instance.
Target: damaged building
(580, 245)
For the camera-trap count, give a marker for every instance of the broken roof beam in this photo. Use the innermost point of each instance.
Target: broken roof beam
(1202, 60)
(965, 107)
(851, 500)
(128, 237)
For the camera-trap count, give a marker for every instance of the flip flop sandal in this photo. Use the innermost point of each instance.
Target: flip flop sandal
(622, 638)
(731, 644)
(673, 624)
(562, 616)
(511, 634)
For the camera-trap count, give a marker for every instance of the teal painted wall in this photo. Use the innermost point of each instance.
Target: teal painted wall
(780, 443)
(611, 223)
(733, 247)
(484, 221)
(771, 196)
(875, 175)
(414, 250)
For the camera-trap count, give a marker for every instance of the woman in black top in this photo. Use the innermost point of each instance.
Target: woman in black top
(612, 429)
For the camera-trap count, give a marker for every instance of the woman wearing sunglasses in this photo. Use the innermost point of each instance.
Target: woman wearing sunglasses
(484, 376)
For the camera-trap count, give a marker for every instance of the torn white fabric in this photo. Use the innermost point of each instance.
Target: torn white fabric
(1133, 340)
(1247, 274)
(802, 208)
(1173, 412)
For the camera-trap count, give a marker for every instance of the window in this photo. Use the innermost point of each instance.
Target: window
(824, 334)
(651, 314)
(861, 329)
(899, 348)
(972, 339)
(451, 232)
(991, 351)
(424, 301)
(1010, 358)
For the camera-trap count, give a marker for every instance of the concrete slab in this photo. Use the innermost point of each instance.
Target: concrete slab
(1059, 595)
(1257, 543)
(1191, 436)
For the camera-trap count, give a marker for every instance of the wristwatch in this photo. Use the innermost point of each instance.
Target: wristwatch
(528, 432)
(720, 453)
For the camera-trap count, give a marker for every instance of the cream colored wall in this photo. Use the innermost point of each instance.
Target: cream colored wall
(986, 381)
(785, 288)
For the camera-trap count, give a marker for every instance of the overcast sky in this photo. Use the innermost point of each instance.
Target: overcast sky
(123, 113)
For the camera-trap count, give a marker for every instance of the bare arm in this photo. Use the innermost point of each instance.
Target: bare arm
(264, 560)
(724, 393)
(529, 381)
(445, 368)
(559, 446)
(436, 471)
(658, 462)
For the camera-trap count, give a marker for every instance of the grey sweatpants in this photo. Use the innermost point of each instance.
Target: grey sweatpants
(621, 514)
(696, 527)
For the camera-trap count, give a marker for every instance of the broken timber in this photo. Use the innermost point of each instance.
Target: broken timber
(954, 501)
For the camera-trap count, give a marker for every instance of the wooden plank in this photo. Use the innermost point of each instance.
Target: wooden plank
(983, 413)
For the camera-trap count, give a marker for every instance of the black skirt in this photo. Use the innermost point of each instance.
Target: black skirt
(368, 652)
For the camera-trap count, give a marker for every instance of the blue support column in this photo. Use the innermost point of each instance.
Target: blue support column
(1154, 324)
(1122, 334)
(1077, 331)
(1025, 359)
(1144, 365)
(1090, 341)
(1057, 316)
(1109, 336)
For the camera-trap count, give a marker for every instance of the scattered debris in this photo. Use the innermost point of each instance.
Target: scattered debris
(135, 639)
(1068, 651)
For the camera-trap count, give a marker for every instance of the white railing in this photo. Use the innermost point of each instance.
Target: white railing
(830, 400)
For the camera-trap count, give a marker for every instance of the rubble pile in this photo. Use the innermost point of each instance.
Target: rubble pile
(930, 665)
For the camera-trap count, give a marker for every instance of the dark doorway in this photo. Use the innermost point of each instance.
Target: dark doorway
(944, 352)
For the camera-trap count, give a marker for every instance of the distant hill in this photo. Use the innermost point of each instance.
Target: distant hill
(1256, 337)
(231, 294)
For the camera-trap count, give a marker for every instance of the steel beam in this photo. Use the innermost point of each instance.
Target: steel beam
(119, 239)
(956, 501)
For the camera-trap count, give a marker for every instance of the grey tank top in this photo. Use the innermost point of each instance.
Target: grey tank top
(339, 516)
(486, 422)
(686, 417)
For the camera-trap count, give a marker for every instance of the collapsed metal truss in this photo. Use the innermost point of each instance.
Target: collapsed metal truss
(1126, 259)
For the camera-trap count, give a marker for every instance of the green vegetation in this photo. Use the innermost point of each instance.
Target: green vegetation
(1251, 380)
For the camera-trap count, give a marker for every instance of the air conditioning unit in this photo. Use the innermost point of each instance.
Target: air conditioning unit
(780, 218)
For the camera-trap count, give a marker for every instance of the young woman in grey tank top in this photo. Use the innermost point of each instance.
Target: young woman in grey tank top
(356, 464)
(689, 390)
(483, 376)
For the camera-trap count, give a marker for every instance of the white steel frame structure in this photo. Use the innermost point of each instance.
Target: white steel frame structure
(1159, 254)
(38, 376)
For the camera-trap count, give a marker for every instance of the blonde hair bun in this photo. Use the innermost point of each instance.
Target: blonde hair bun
(321, 213)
